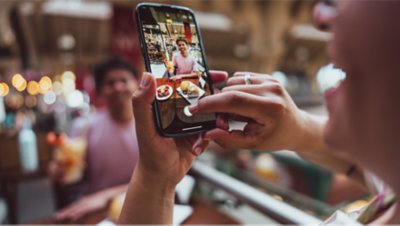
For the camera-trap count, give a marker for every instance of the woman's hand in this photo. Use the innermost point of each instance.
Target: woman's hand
(170, 158)
(274, 121)
(163, 162)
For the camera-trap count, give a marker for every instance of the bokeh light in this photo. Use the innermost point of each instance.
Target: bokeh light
(19, 82)
(75, 99)
(33, 88)
(14, 101)
(45, 84)
(30, 101)
(50, 98)
(4, 89)
(57, 88)
(22, 86)
(68, 82)
(68, 75)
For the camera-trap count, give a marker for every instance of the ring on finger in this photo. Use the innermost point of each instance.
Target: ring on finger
(247, 79)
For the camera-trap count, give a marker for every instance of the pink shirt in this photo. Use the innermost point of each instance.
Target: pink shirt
(112, 152)
(184, 65)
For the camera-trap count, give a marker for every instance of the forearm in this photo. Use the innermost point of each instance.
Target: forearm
(315, 150)
(149, 200)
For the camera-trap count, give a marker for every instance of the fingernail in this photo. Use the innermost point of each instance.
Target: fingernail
(198, 151)
(146, 78)
(193, 108)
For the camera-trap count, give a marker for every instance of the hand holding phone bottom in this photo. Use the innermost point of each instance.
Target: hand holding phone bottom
(163, 162)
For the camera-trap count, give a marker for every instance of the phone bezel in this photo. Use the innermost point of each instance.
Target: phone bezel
(208, 125)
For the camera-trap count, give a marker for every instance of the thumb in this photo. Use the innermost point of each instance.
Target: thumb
(142, 105)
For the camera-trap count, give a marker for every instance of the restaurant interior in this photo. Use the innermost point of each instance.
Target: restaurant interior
(48, 50)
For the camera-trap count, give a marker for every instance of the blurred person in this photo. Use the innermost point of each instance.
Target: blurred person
(361, 132)
(112, 150)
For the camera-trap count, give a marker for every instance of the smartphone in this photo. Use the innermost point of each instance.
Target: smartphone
(173, 52)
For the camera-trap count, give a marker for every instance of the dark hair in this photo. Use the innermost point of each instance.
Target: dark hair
(181, 39)
(102, 69)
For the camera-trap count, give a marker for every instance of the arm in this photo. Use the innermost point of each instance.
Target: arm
(89, 204)
(150, 200)
(274, 122)
(162, 163)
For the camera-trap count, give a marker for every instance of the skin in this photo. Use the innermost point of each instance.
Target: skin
(119, 84)
(367, 97)
(184, 50)
(162, 162)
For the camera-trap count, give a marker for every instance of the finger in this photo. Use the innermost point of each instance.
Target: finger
(254, 79)
(199, 146)
(142, 107)
(218, 76)
(258, 90)
(222, 122)
(235, 139)
(240, 103)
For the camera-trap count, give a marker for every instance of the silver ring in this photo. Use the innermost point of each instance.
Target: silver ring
(247, 79)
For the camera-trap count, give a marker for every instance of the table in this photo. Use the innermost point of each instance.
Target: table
(203, 213)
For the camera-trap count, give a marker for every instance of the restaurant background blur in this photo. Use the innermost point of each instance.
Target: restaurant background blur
(48, 50)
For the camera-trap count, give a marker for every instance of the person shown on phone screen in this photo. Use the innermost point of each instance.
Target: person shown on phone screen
(185, 65)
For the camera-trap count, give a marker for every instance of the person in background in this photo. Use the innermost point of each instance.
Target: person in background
(112, 150)
(361, 132)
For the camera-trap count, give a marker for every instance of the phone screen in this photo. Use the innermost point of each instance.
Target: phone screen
(175, 56)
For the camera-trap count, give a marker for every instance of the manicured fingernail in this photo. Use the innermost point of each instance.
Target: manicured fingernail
(193, 109)
(146, 78)
(198, 151)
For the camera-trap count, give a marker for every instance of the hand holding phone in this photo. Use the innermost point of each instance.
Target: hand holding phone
(173, 52)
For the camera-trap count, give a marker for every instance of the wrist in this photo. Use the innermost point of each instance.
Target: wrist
(310, 138)
(153, 179)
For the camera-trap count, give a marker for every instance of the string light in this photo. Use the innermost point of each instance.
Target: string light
(4, 89)
(33, 88)
(19, 82)
(45, 84)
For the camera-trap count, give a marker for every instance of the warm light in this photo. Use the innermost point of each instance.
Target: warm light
(50, 98)
(22, 86)
(68, 86)
(4, 89)
(57, 88)
(33, 88)
(68, 82)
(45, 84)
(18, 82)
(68, 75)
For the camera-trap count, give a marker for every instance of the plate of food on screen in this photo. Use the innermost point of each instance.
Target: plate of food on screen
(191, 92)
(164, 92)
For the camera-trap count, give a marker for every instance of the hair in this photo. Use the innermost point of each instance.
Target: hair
(101, 70)
(181, 39)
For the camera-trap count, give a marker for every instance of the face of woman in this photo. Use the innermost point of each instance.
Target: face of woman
(364, 110)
